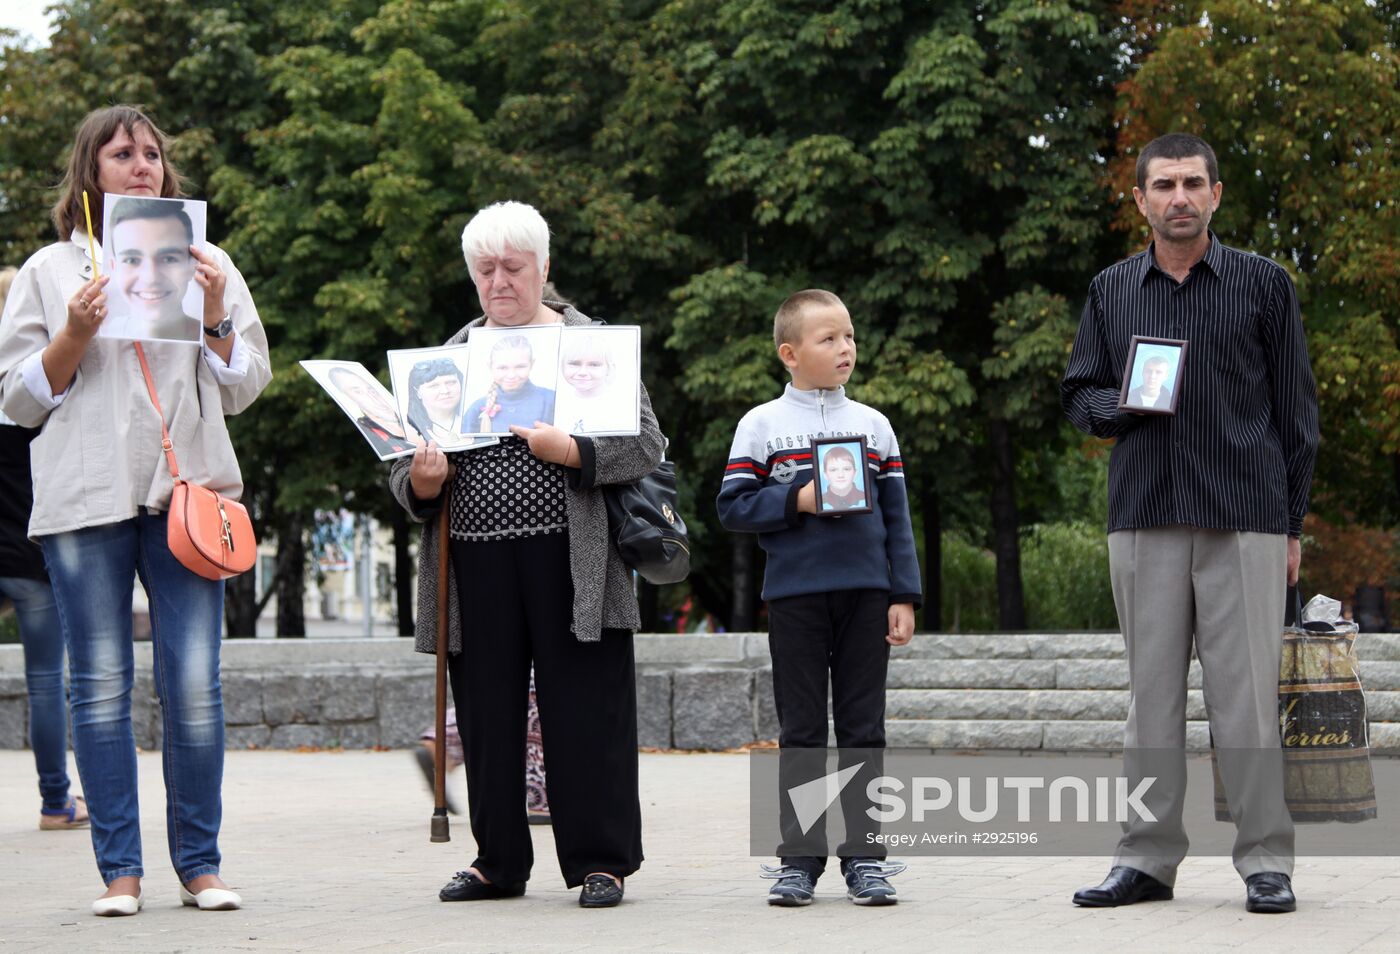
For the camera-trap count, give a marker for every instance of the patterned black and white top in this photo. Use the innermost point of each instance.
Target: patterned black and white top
(504, 492)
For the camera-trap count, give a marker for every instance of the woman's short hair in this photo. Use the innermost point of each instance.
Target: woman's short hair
(425, 371)
(129, 207)
(576, 345)
(94, 132)
(502, 226)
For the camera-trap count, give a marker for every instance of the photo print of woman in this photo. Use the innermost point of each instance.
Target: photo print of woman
(428, 386)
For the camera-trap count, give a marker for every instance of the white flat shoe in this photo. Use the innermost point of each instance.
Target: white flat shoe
(118, 906)
(211, 899)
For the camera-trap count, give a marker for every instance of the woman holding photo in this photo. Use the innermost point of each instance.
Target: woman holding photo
(101, 494)
(535, 577)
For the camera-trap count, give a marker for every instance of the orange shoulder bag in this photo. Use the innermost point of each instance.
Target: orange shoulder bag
(210, 534)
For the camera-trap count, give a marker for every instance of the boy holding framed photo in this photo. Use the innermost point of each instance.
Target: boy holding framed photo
(842, 579)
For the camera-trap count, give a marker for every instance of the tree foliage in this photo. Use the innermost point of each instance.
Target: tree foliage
(947, 168)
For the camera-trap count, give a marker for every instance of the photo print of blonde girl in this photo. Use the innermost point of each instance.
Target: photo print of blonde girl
(599, 371)
(512, 374)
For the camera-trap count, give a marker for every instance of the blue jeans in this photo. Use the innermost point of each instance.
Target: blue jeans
(92, 572)
(42, 637)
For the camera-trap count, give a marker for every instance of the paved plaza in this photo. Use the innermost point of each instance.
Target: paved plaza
(330, 851)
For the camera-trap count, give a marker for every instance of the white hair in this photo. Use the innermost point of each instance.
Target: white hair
(502, 226)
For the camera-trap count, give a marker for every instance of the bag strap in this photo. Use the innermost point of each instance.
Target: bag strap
(1293, 608)
(165, 441)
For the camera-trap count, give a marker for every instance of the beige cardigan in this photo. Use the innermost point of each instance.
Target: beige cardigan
(98, 458)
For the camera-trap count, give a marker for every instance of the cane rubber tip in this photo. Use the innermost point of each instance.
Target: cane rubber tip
(438, 830)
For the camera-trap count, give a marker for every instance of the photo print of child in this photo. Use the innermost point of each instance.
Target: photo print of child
(366, 402)
(840, 475)
(1154, 371)
(428, 386)
(598, 387)
(146, 251)
(514, 371)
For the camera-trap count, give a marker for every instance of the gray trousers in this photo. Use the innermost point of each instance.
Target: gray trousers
(1225, 591)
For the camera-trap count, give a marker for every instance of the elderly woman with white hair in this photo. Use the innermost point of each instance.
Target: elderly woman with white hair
(531, 558)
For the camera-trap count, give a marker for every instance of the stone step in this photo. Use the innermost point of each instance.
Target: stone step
(1016, 673)
(1062, 704)
(1060, 735)
(983, 646)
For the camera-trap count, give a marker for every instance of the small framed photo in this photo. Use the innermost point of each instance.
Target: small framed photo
(1152, 376)
(842, 476)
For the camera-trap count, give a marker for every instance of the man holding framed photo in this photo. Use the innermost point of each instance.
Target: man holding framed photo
(1206, 506)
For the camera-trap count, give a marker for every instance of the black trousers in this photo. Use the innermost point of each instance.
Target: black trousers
(517, 603)
(838, 636)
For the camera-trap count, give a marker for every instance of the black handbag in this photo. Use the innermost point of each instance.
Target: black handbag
(647, 528)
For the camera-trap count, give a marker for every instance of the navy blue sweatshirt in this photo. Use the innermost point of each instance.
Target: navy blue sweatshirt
(771, 459)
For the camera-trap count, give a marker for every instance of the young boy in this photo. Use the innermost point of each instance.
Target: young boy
(840, 589)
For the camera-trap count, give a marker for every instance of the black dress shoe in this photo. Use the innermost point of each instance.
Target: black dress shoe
(466, 886)
(600, 891)
(1269, 892)
(1123, 885)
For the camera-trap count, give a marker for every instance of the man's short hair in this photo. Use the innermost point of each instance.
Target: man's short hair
(787, 323)
(129, 208)
(1177, 146)
(1156, 359)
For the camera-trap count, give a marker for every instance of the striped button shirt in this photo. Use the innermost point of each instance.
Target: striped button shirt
(1238, 454)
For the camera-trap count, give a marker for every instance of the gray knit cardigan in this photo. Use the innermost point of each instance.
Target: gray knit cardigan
(603, 595)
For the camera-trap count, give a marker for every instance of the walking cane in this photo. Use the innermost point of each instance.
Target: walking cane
(438, 828)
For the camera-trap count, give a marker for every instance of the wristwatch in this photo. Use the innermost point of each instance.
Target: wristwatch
(222, 330)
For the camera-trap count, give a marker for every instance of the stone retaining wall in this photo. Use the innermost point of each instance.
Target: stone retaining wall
(693, 692)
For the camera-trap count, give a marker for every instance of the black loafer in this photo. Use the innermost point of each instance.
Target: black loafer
(1269, 892)
(466, 886)
(1123, 885)
(600, 891)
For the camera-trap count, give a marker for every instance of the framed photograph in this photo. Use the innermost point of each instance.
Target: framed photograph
(146, 243)
(599, 380)
(512, 376)
(843, 479)
(367, 403)
(1152, 376)
(429, 391)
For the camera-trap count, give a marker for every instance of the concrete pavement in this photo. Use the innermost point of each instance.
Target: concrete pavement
(330, 852)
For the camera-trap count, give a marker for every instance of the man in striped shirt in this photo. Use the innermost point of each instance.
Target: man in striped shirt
(1205, 510)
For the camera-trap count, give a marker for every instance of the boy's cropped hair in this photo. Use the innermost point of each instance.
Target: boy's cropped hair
(787, 323)
(1177, 146)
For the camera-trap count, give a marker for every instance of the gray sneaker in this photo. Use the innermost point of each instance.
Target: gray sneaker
(866, 884)
(793, 886)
